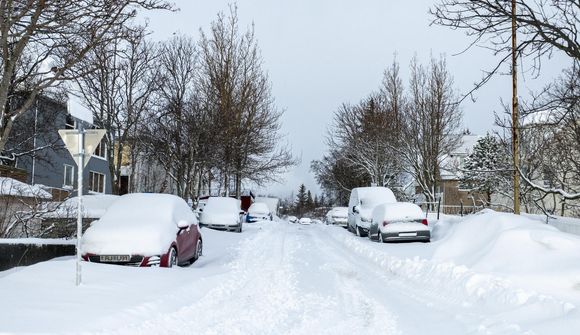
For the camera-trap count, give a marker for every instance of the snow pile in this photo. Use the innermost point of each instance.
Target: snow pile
(529, 253)
(93, 206)
(38, 241)
(501, 262)
(144, 224)
(13, 187)
(563, 223)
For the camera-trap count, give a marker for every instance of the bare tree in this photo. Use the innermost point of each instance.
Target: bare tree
(176, 132)
(41, 41)
(236, 92)
(543, 27)
(337, 177)
(119, 92)
(431, 126)
(364, 135)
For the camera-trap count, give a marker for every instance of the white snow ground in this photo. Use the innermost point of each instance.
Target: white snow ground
(280, 278)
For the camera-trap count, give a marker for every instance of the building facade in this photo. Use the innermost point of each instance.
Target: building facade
(36, 147)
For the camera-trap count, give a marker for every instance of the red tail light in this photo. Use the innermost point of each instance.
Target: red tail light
(424, 221)
(385, 223)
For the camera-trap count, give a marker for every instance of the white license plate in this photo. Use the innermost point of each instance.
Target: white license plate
(407, 234)
(115, 258)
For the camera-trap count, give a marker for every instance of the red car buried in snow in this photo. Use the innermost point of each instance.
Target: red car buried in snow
(144, 230)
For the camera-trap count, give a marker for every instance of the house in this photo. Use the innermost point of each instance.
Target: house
(35, 147)
(450, 174)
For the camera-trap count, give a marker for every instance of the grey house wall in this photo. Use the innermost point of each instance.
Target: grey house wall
(38, 128)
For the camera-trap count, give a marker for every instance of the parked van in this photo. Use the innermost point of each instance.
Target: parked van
(361, 204)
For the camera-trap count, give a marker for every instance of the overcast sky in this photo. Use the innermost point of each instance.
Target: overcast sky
(321, 53)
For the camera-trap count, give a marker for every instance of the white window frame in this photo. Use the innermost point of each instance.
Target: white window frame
(72, 177)
(91, 181)
(104, 157)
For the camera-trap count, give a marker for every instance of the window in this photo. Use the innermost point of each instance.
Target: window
(101, 150)
(70, 123)
(96, 182)
(69, 172)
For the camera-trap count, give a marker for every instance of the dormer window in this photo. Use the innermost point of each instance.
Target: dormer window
(101, 150)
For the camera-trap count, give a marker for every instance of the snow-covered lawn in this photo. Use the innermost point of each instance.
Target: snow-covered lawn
(483, 274)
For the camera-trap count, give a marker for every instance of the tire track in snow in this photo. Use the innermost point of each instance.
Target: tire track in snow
(257, 297)
(348, 309)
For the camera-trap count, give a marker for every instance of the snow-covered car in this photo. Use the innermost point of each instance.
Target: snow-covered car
(401, 221)
(361, 204)
(259, 211)
(317, 221)
(305, 221)
(337, 216)
(144, 230)
(222, 213)
(292, 219)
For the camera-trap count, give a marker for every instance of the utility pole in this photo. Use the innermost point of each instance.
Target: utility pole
(515, 115)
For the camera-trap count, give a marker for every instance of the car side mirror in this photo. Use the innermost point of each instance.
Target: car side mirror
(355, 209)
(182, 224)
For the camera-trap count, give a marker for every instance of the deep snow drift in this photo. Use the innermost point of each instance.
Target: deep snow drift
(489, 273)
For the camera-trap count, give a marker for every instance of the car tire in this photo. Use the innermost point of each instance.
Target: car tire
(198, 250)
(172, 258)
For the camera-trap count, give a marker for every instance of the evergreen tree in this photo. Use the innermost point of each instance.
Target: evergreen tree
(301, 200)
(309, 201)
(485, 168)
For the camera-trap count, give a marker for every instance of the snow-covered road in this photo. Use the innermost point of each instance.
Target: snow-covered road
(275, 278)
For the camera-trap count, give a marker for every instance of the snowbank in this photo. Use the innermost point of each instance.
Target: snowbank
(13, 187)
(94, 206)
(491, 259)
(565, 224)
(38, 241)
(528, 253)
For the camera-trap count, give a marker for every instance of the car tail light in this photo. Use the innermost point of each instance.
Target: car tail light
(385, 223)
(425, 222)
